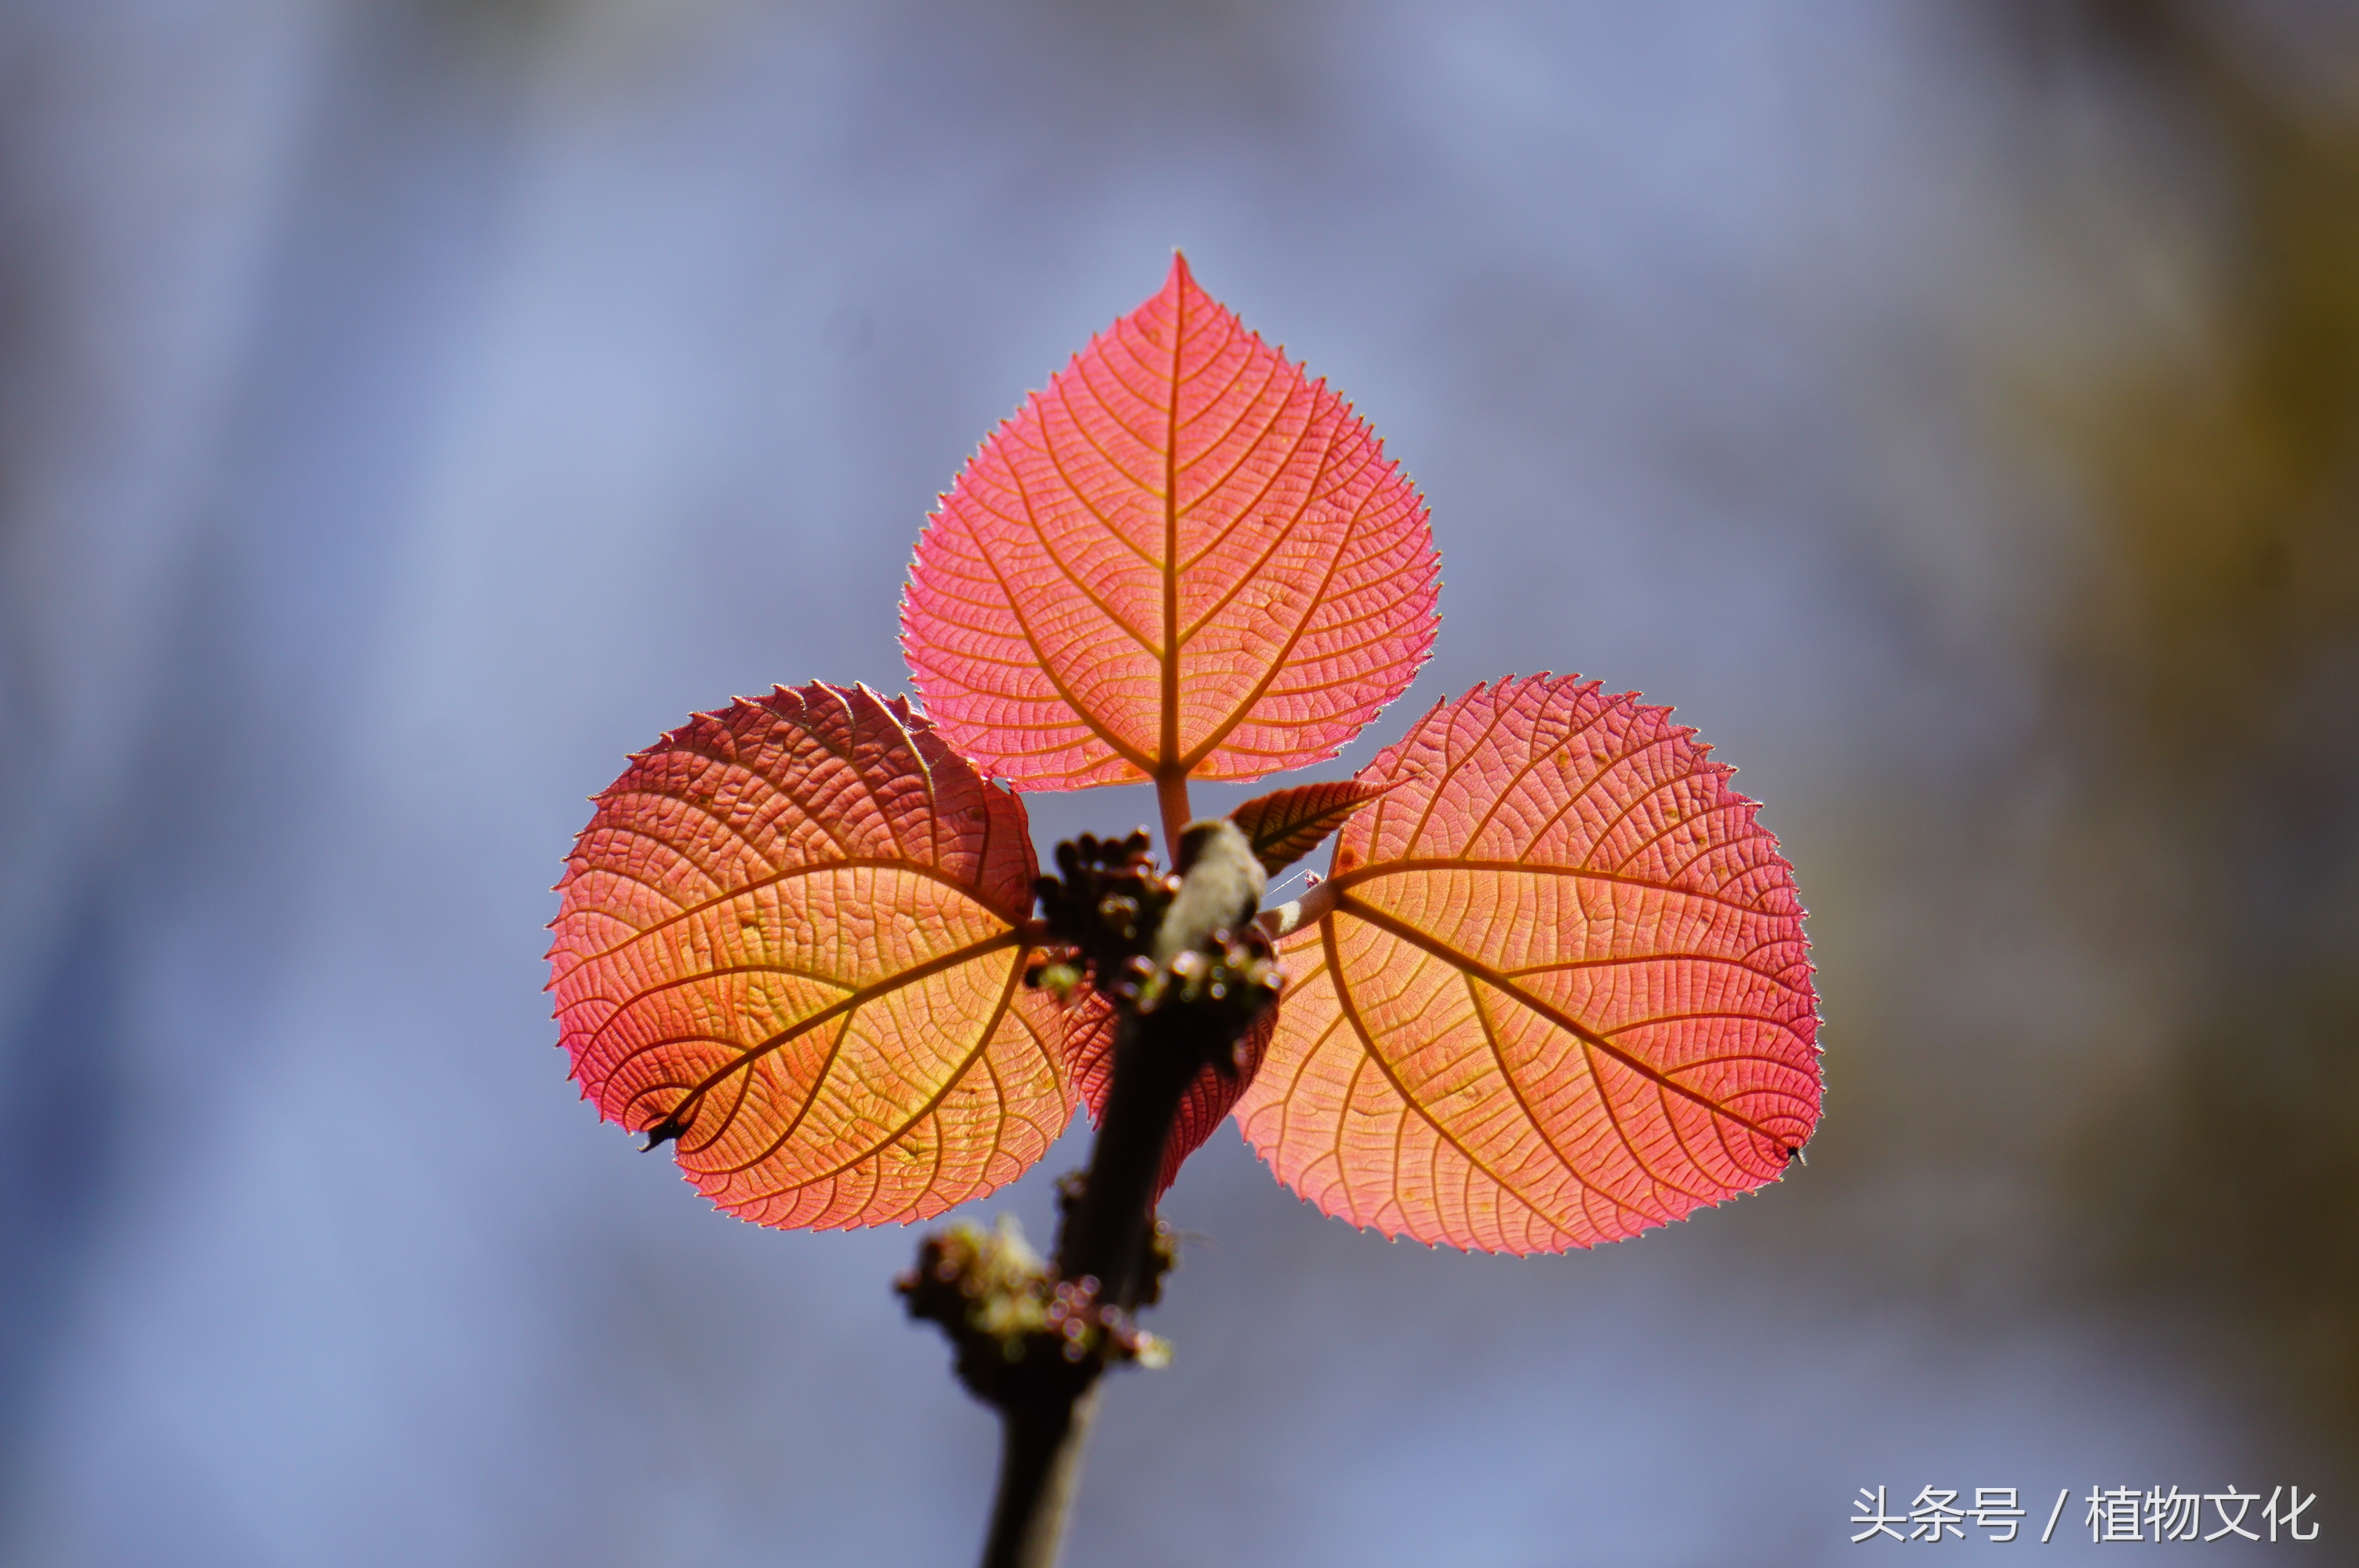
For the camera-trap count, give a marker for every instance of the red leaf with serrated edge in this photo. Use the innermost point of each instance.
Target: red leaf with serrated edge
(1207, 1103)
(1182, 558)
(1563, 994)
(790, 938)
(1288, 824)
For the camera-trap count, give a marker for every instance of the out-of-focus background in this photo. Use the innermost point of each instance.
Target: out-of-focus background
(408, 407)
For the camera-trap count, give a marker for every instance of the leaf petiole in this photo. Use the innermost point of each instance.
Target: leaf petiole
(1172, 801)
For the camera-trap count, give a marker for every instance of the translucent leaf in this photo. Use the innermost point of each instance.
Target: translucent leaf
(789, 940)
(1563, 994)
(1181, 557)
(1286, 825)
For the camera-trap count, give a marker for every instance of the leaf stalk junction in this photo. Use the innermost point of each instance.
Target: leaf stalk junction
(1179, 971)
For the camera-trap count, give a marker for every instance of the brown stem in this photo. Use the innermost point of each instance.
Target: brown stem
(1109, 1221)
(1106, 1237)
(1039, 1463)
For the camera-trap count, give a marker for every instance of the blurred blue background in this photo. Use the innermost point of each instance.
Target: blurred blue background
(408, 407)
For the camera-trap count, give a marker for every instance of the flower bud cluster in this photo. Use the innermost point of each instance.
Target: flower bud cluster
(1207, 998)
(1103, 917)
(1009, 1318)
(1102, 910)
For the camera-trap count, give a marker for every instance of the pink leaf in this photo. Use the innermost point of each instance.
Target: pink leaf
(1288, 824)
(791, 940)
(1182, 558)
(1563, 994)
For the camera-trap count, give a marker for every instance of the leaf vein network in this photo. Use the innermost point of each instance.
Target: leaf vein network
(1505, 984)
(1376, 1058)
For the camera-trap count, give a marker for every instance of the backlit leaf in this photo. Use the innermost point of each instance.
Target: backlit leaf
(1286, 825)
(1563, 994)
(1182, 556)
(790, 938)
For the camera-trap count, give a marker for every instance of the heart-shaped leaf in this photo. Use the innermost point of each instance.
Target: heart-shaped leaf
(1562, 993)
(1182, 558)
(1286, 825)
(791, 940)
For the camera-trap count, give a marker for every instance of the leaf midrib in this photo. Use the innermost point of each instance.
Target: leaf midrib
(1344, 881)
(1168, 736)
(874, 992)
(1506, 984)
